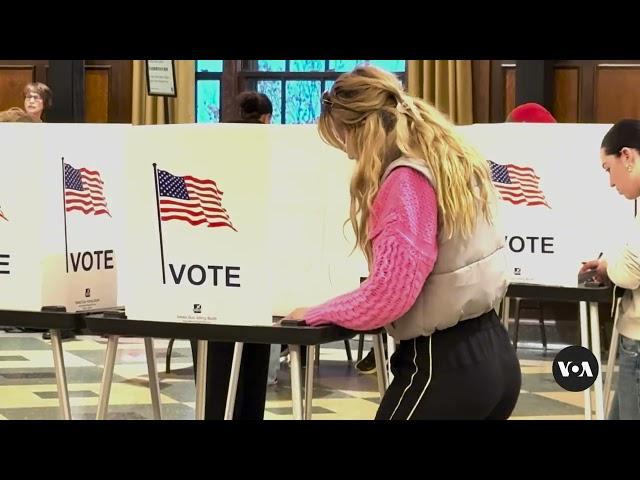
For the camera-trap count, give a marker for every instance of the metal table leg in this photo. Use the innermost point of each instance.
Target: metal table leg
(308, 387)
(584, 341)
(296, 374)
(201, 379)
(107, 376)
(233, 380)
(595, 348)
(381, 366)
(61, 375)
(154, 381)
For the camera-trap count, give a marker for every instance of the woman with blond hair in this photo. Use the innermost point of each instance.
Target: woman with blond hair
(423, 210)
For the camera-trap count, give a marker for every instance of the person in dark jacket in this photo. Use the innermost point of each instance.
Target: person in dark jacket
(251, 394)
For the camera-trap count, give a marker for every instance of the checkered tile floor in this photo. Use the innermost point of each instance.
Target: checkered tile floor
(28, 390)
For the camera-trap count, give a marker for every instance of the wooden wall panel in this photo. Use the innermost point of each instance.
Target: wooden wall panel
(566, 94)
(108, 81)
(585, 91)
(509, 91)
(481, 76)
(108, 86)
(96, 105)
(13, 78)
(501, 89)
(616, 92)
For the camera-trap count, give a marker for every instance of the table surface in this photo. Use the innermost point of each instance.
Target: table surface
(42, 320)
(562, 294)
(110, 324)
(115, 323)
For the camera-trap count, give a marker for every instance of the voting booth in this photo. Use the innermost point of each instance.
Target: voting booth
(557, 209)
(284, 195)
(234, 223)
(58, 227)
(310, 246)
(197, 224)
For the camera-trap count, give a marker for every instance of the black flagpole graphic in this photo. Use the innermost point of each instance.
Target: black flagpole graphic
(155, 177)
(64, 209)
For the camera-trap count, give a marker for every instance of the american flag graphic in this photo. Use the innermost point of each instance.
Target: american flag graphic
(517, 185)
(83, 191)
(2, 216)
(191, 200)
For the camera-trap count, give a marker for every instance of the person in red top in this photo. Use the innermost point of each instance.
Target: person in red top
(531, 113)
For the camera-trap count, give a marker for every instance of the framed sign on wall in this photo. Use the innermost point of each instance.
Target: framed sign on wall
(161, 78)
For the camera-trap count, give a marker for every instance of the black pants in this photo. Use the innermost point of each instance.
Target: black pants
(252, 382)
(468, 371)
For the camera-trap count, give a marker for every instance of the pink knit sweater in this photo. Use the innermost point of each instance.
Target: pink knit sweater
(403, 229)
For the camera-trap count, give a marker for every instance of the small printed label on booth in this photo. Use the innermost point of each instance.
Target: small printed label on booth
(85, 304)
(196, 318)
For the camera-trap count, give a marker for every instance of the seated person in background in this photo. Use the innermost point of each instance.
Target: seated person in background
(15, 114)
(255, 107)
(37, 99)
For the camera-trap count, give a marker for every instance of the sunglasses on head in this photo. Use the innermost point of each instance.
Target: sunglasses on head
(326, 102)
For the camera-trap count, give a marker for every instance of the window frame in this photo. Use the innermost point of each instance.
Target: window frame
(241, 75)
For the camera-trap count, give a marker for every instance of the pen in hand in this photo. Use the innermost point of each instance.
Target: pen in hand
(599, 257)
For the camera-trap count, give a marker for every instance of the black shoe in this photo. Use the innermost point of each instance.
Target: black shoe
(68, 335)
(64, 334)
(368, 364)
(14, 330)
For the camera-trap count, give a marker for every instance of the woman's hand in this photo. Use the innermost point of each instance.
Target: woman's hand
(297, 314)
(599, 268)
